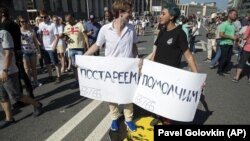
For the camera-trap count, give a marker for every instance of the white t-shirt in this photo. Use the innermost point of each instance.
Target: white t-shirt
(6, 42)
(243, 29)
(48, 31)
(143, 24)
(117, 46)
(237, 25)
(195, 29)
(131, 22)
(60, 31)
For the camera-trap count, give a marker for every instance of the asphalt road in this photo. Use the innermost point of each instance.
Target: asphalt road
(69, 117)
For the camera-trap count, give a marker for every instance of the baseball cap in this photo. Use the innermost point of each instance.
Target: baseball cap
(91, 16)
(214, 15)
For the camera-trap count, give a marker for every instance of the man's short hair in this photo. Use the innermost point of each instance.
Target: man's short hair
(69, 14)
(121, 6)
(232, 10)
(43, 12)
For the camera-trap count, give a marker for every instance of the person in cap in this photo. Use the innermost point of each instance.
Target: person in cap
(211, 37)
(171, 43)
(92, 29)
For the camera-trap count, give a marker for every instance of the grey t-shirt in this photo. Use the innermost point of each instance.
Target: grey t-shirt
(6, 42)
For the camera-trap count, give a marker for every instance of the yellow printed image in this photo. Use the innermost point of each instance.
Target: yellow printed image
(144, 131)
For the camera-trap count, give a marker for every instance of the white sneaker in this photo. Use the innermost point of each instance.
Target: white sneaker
(248, 63)
(37, 83)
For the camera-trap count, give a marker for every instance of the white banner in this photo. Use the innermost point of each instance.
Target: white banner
(168, 91)
(163, 90)
(108, 79)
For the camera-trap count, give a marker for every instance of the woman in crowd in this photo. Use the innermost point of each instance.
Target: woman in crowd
(171, 43)
(30, 49)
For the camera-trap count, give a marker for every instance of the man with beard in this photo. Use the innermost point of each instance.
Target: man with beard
(227, 35)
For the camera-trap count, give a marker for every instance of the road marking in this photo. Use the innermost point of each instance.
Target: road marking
(98, 133)
(203, 45)
(73, 122)
(141, 48)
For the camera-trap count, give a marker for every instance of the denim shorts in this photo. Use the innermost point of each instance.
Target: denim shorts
(73, 53)
(10, 88)
(29, 56)
(50, 57)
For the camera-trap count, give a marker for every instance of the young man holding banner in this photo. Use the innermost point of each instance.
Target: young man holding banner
(120, 40)
(171, 42)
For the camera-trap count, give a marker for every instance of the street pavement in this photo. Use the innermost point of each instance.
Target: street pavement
(70, 117)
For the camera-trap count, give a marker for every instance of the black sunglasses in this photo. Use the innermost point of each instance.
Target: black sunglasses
(23, 21)
(44, 17)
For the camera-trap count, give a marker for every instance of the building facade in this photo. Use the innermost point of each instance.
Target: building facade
(243, 7)
(208, 10)
(198, 9)
(80, 8)
(233, 4)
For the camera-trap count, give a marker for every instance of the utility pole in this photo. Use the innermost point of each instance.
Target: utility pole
(87, 3)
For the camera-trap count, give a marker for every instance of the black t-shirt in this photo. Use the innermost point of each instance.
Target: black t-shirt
(170, 46)
(160, 26)
(14, 29)
(36, 28)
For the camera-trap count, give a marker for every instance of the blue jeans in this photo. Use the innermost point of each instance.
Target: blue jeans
(30, 56)
(217, 56)
(73, 53)
(50, 57)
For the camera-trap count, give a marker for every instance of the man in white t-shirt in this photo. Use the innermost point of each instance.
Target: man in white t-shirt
(50, 39)
(120, 40)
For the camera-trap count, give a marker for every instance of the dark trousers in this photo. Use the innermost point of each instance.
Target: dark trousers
(225, 59)
(192, 43)
(244, 57)
(24, 76)
(41, 62)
